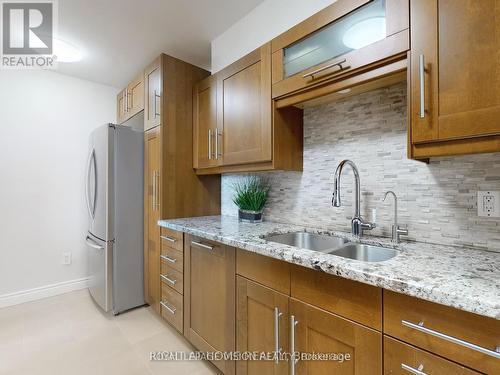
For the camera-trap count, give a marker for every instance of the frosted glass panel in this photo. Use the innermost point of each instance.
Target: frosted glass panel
(353, 31)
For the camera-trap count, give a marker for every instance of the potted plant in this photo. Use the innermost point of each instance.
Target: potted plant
(250, 195)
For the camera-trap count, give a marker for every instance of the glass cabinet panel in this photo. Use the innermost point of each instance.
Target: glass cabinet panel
(355, 30)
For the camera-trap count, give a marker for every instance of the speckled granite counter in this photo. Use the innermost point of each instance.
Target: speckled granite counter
(466, 279)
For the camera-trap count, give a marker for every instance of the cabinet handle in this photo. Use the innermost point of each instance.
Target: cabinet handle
(155, 111)
(209, 144)
(415, 371)
(420, 327)
(171, 310)
(203, 246)
(169, 239)
(218, 134)
(157, 190)
(277, 348)
(168, 259)
(421, 70)
(126, 101)
(294, 360)
(168, 280)
(153, 203)
(337, 63)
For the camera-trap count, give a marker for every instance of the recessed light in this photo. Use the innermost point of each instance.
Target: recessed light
(364, 32)
(66, 52)
(344, 91)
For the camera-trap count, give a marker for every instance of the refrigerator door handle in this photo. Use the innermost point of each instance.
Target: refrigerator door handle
(90, 207)
(93, 244)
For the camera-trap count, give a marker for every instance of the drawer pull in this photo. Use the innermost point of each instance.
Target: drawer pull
(167, 238)
(338, 63)
(171, 310)
(420, 327)
(168, 280)
(168, 259)
(203, 246)
(416, 371)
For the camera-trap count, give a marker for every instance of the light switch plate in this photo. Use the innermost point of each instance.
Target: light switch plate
(66, 258)
(488, 203)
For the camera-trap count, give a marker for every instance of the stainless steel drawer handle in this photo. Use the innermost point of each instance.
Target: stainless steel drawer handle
(293, 365)
(277, 348)
(168, 259)
(202, 245)
(169, 239)
(337, 63)
(171, 310)
(420, 327)
(416, 371)
(168, 279)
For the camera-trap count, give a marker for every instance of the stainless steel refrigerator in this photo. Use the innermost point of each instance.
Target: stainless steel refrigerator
(114, 197)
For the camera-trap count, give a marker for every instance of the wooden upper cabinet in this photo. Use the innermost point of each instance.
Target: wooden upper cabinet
(261, 326)
(316, 331)
(455, 76)
(245, 109)
(206, 152)
(153, 94)
(347, 38)
(130, 100)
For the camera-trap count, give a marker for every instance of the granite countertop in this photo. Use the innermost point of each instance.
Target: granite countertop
(467, 279)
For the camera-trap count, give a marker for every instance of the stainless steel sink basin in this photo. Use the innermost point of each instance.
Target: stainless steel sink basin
(308, 241)
(365, 253)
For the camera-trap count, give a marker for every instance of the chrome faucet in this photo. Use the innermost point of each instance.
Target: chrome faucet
(358, 225)
(397, 231)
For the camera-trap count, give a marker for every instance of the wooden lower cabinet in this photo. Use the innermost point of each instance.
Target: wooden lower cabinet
(317, 331)
(209, 297)
(261, 326)
(404, 359)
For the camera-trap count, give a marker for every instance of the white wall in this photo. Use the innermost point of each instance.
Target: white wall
(45, 120)
(268, 20)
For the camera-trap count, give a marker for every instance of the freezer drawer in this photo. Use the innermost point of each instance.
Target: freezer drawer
(100, 271)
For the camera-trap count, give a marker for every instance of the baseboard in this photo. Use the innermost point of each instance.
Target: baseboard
(43, 292)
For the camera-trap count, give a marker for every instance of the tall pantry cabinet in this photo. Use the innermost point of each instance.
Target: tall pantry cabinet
(171, 187)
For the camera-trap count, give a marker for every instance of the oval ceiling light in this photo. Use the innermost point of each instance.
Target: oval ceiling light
(364, 32)
(66, 52)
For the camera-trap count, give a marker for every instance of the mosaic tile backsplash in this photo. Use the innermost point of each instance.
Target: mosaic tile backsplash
(438, 201)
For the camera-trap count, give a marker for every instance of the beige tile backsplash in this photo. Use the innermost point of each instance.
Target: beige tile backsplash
(437, 200)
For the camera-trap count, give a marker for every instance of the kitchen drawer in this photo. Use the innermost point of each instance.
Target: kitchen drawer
(172, 239)
(350, 299)
(172, 278)
(172, 307)
(270, 272)
(404, 359)
(172, 258)
(460, 336)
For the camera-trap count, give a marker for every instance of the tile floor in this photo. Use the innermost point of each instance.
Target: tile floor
(68, 335)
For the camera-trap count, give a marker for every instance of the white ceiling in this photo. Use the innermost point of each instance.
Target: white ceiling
(120, 37)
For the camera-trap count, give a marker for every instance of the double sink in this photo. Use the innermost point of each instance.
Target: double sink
(333, 245)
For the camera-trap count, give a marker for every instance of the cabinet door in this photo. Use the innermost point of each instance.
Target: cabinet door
(315, 331)
(244, 109)
(136, 95)
(455, 75)
(152, 194)
(121, 103)
(209, 297)
(261, 326)
(153, 94)
(205, 152)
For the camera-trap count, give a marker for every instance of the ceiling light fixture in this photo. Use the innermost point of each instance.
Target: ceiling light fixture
(364, 32)
(66, 52)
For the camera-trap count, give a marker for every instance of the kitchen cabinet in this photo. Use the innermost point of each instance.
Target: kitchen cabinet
(206, 134)
(130, 100)
(454, 77)
(344, 40)
(152, 204)
(242, 130)
(262, 327)
(153, 89)
(209, 298)
(313, 330)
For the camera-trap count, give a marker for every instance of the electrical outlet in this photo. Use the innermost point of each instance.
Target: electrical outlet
(66, 258)
(488, 203)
